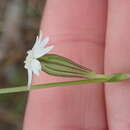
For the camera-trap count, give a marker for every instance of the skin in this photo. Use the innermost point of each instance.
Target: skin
(79, 31)
(117, 57)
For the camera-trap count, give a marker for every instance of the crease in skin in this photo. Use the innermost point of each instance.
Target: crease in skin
(75, 128)
(82, 41)
(72, 39)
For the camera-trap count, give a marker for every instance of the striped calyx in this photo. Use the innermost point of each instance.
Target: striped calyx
(60, 66)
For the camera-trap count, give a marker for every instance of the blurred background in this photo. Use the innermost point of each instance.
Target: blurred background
(19, 25)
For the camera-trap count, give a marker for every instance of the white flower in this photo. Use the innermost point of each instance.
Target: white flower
(31, 63)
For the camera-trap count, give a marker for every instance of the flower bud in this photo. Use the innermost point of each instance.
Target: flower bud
(60, 66)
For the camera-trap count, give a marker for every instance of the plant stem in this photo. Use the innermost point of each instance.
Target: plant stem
(48, 85)
(99, 78)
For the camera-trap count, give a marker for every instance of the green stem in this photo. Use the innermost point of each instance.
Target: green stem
(99, 78)
(49, 85)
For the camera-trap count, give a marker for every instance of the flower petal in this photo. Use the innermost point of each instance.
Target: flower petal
(36, 43)
(47, 49)
(42, 51)
(29, 78)
(38, 47)
(40, 42)
(45, 41)
(36, 66)
(40, 35)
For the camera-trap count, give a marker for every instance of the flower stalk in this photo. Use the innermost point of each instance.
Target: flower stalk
(100, 79)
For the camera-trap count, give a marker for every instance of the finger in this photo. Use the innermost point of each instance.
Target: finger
(77, 30)
(117, 60)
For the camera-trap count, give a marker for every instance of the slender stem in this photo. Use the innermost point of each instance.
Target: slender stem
(99, 78)
(49, 85)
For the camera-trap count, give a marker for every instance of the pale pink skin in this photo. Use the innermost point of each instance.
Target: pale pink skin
(77, 28)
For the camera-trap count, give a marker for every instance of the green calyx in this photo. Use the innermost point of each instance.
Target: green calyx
(60, 66)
